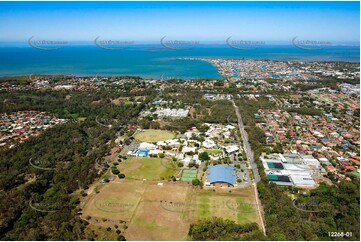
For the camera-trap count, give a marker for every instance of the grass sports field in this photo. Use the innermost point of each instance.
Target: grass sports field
(153, 135)
(145, 206)
(188, 175)
(239, 205)
(115, 201)
(150, 169)
(153, 211)
(156, 218)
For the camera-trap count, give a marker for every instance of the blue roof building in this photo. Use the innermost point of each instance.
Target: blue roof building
(221, 175)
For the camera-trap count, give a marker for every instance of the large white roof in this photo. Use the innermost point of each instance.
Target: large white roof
(302, 180)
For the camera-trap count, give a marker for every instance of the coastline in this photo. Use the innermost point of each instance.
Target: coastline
(90, 60)
(160, 75)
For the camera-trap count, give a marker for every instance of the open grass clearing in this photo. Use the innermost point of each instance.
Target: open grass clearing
(239, 205)
(115, 201)
(164, 212)
(213, 151)
(100, 233)
(150, 169)
(160, 215)
(153, 135)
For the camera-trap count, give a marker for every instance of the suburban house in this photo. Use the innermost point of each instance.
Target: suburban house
(208, 144)
(231, 149)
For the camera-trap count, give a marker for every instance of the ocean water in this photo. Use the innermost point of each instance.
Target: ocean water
(151, 61)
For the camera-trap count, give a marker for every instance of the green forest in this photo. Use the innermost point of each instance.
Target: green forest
(41, 204)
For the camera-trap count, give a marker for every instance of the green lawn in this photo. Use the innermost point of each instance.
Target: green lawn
(153, 135)
(214, 152)
(238, 205)
(203, 207)
(167, 172)
(145, 168)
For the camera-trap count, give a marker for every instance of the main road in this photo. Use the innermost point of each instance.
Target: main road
(250, 159)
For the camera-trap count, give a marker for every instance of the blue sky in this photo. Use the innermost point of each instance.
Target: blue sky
(202, 21)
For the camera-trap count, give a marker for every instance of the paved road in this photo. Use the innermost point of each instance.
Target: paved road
(246, 145)
(250, 159)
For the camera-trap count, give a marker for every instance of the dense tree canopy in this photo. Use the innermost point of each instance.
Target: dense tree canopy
(38, 178)
(217, 229)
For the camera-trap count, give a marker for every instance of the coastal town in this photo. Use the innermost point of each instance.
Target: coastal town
(180, 120)
(195, 144)
(322, 125)
(287, 70)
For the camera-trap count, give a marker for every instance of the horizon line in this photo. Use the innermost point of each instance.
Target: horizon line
(198, 42)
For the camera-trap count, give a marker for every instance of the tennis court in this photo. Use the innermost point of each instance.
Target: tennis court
(189, 175)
